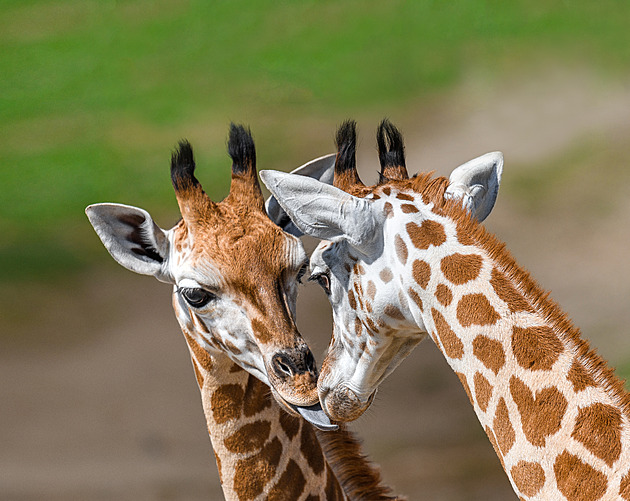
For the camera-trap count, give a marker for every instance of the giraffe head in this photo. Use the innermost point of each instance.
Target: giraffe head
(234, 271)
(361, 262)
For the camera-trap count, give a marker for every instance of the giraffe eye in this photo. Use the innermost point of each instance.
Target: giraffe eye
(196, 297)
(301, 272)
(323, 280)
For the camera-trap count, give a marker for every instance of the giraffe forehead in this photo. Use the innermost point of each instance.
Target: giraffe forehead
(237, 250)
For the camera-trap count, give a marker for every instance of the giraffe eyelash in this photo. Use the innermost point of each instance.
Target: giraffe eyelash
(323, 280)
(301, 272)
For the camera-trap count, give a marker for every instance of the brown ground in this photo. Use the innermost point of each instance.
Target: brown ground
(99, 399)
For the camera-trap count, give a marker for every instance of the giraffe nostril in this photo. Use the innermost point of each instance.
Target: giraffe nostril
(309, 361)
(282, 366)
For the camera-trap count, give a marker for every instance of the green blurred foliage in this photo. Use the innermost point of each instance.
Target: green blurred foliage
(94, 94)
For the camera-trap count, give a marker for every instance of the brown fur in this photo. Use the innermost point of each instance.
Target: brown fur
(528, 477)
(483, 390)
(359, 478)
(577, 480)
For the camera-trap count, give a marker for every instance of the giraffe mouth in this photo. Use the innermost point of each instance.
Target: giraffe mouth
(315, 415)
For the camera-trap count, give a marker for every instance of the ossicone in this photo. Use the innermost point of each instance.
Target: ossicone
(241, 149)
(183, 167)
(391, 152)
(346, 175)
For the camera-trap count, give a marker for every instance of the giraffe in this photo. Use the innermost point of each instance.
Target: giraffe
(407, 259)
(234, 274)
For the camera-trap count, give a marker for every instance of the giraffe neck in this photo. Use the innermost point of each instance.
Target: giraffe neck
(262, 452)
(555, 414)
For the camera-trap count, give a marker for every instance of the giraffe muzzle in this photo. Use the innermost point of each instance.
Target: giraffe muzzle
(343, 404)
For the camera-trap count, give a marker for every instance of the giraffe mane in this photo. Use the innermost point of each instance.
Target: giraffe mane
(359, 477)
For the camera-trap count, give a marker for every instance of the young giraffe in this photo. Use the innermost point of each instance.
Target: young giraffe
(408, 257)
(235, 277)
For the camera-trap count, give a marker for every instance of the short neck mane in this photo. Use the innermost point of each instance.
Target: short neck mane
(262, 452)
(555, 413)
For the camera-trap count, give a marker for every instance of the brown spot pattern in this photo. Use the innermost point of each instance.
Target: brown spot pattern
(257, 397)
(489, 352)
(226, 402)
(579, 376)
(528, 477)
(371, 325)
(389, 209)
(290, 485)
(452, 345)
(475, 309)
(386, 275)
(443, 294)
(260, 331)
(358, 326)
(577, 480)
(371, 290)
(248, 438)
(311, 450)
(405, 196)
(409, 208)
(392, 311)
(416, 298)
(401, 249)
(598, 427)
(352, 300)
(429, 233)
(483, 390)
(200, 354)
(290, 424)
(536, 348)
(541, 415)
(198, 375)
(253, 473)
(508, 293)
(503, 427)
(461, 268)
(421, 272)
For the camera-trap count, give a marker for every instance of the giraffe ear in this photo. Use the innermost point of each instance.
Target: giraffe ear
(323, 169)
(132, 238)
(323, 211)
(477, 183)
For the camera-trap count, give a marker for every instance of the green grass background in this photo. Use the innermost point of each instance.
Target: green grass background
(95, 94)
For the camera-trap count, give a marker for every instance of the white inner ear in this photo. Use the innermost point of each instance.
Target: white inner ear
(322, 168)
(477, 183)
(132, 238)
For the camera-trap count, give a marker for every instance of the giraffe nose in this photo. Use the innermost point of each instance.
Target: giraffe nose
(293, 362)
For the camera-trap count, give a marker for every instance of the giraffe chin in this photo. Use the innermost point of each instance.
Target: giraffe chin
(343, 404)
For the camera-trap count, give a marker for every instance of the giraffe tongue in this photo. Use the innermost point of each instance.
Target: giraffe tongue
(315, 415)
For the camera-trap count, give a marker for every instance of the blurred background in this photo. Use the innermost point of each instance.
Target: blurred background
(99, 401)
